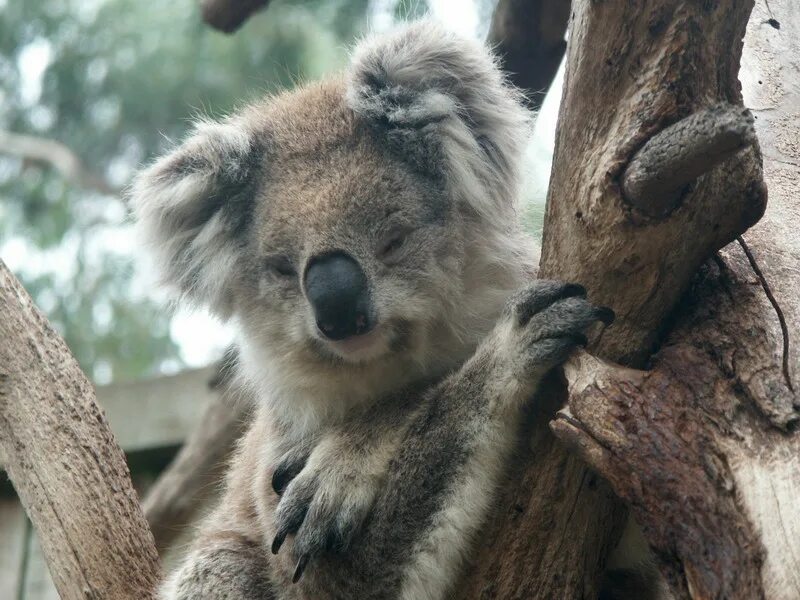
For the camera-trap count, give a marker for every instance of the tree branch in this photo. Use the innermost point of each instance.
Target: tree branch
(649, 435)
(229, 15)
(57, 155)
(704, 446)
(529, 37)
(631, 72)
(68, 471)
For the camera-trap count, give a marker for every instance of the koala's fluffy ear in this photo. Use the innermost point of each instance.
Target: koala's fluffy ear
(191, 207)
(443, 102)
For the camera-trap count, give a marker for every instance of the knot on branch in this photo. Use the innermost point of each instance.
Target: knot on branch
(658, 173)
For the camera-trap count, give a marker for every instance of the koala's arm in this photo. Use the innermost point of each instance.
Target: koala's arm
(227, 559)
(439, 486)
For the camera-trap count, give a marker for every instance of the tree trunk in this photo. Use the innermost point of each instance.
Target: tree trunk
(70, 474)
(704, 446)
(654, 170)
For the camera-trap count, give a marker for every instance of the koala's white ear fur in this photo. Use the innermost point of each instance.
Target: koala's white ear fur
(444, 101)
(190, 208)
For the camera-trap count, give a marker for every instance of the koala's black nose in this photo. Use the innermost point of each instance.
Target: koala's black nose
(337, 289)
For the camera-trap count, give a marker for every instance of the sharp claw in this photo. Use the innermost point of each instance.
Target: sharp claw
(278, 542)
(283, 475)
(605, 314)
(301, 566)
(279, 482)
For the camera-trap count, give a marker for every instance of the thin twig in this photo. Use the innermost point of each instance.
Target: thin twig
(57, 155)
(775, 305)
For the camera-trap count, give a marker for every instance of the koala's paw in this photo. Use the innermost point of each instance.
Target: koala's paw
(323, 505)
(544, 324)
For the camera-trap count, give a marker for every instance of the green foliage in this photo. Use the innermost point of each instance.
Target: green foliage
(122, 78)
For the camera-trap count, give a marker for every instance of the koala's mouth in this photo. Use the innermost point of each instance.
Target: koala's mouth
(383, 339)
(358, 345)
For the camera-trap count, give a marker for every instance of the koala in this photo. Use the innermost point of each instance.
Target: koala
(363, 234)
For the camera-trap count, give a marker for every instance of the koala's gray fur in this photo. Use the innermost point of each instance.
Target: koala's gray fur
(386, 457)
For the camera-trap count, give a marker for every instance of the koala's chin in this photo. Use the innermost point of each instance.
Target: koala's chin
(358, 349)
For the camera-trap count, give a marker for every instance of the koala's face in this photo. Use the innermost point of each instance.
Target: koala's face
(351, 252)
(357, 219)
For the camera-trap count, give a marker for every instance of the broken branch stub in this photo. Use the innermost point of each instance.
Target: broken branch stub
(656, 178)
(228, 15)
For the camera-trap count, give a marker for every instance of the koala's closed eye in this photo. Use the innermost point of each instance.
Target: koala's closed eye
(392, 245)
(280, 266)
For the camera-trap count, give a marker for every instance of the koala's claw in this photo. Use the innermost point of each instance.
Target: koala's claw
(277, 542)
(301, 566)
(323, 507)
(542, 294)
(550, 319)
(288, 468)
(605, 315)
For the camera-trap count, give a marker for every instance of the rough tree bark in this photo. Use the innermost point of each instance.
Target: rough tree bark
(634, 70)
(705, 445)
(70, 474)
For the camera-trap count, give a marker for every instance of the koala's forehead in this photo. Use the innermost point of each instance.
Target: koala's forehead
(326, 171)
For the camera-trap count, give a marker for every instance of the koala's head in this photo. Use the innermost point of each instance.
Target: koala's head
(361, 219)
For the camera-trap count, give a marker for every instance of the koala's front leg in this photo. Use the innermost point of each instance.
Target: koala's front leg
(440, 487)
